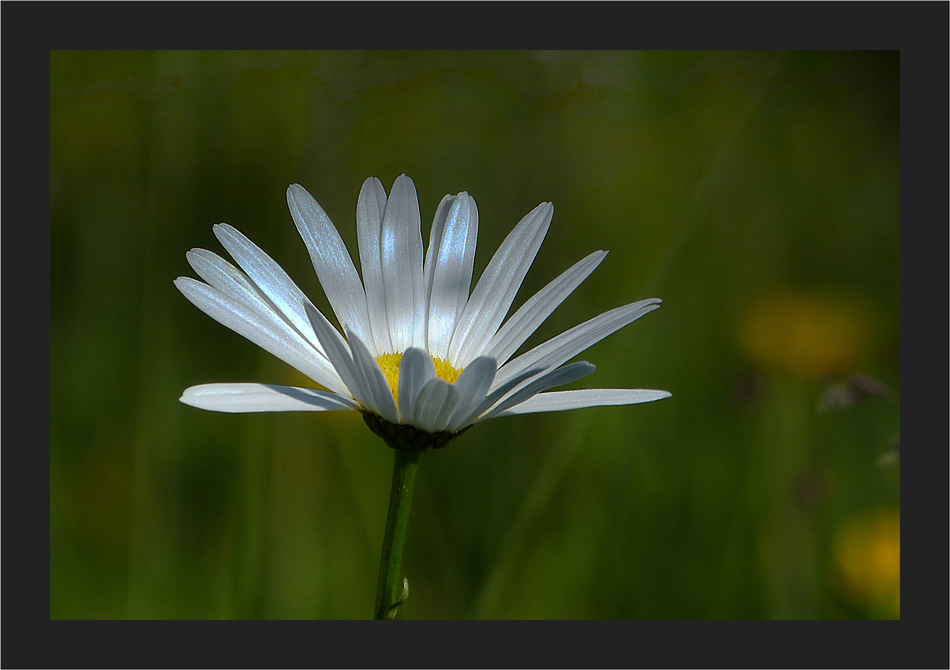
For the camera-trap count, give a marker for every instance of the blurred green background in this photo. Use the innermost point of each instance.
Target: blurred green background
(756, 193)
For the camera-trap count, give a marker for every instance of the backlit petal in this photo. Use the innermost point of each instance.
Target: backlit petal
(332, 262)
(557, 401)
(498, 285)
(236, 398)
(234, 284)
(495, 395)
(539, 307)
(268, 276)
(372, 379)
(269, 332)
(401, 257)
(557, 377)
(571, 342)
(448, 269)
(369, 223)
(435, 405)
(415, 371)
(339, 354)
(472, 386)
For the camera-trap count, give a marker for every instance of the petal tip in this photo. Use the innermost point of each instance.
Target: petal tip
(404, 181)
(187, 397)
(183, 282)
(223, 231)
(296, 194)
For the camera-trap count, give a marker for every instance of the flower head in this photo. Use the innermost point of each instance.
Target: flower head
(418, 356)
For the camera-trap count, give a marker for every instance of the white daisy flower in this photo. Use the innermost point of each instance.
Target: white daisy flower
(418, 356)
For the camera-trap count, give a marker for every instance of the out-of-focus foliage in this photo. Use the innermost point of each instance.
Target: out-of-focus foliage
(757, 194)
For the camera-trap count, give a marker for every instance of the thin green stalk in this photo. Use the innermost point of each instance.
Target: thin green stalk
(391, 590)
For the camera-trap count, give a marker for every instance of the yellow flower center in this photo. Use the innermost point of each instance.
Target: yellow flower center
(389, 363)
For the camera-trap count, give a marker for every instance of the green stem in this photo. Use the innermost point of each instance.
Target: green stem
(390, 588)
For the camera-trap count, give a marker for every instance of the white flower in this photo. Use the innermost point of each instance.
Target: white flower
(421, 358)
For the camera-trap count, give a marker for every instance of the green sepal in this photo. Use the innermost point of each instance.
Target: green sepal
(408, 438)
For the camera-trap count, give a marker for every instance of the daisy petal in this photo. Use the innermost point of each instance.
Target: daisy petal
(412, 303)
(539, 307)
(571, 342)
(268, 276)
(415, 371)
(340, 357)
(233, 283)
(236, 398)
(401, 256)
(557, 401)
(472, 386)
(332, 261)
(369, 221)
(373, 379)
(435, 405)
(435, 240)
(497, 286)
(236, 285)
(448, 269)
(495, 394)
(550, 379)
(266, 331)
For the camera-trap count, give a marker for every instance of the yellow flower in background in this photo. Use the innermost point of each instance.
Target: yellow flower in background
(805, 334)
(868, 560)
